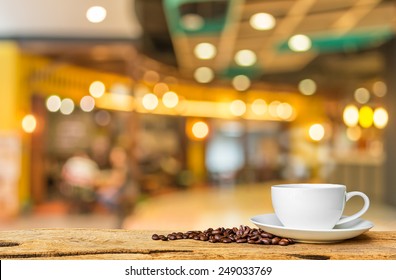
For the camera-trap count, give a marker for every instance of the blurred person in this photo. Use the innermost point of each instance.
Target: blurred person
(117, 189)
(79, 174)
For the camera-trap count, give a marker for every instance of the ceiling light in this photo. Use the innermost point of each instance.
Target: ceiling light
(307, 87)
(96, 14)
(259, 107)
(29, 123)
(366, 117)
(273, 108)
(316, 132)
(150, 101)
(67, 106)
(380, 117)
(300, 43)
(262, 21)
(205, 51)
(238, 108)
(200, 130)
(203, 75)
(87, 103)
(241, 82)
(284, 111)
(97, 89)
(53, 103)
(170, 99)
(362, 95)
(351, 115)
(379, 88)
(192, 22)
(245, 58)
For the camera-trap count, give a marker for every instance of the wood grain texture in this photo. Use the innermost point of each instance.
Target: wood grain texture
(138, 245)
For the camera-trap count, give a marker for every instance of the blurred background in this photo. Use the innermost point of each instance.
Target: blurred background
(180, 114)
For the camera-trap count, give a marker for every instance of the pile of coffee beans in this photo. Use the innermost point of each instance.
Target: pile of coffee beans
(243, 234)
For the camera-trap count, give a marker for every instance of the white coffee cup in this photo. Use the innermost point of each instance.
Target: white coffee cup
(313, 206)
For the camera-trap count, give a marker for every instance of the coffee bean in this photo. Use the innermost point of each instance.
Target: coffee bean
(243, 234)
(275, 241)
(283, 242)
(265, 241)
(204, 238)
(171, 237)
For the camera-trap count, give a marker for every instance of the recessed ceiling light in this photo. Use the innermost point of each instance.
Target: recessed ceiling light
(362, 95)
(299, 43)
(307, 86)
(205, 51)
(203, 75)
(192, 22)
(245, 58)
(96, 14)
(262, 21)
(241, 82)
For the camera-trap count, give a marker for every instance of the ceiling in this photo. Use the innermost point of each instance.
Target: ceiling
(346, 37)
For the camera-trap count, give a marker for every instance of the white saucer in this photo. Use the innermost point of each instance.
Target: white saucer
(270, 223)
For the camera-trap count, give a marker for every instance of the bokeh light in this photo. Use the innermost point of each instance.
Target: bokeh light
(307, 86)
(300, 43)
(205, 51)
(53, 103)
(97, 89)
(273, 108)
(316, 132)
(170, 99)
(102, 118)
(96, 14)
(238, 107)
(160, 88)
(262, 21)
(351, 115)
(366, 116)
(362, 95)
(245, 58)
(67, 106)
(241, 82)
(380, 88)
(192, 22)
(29, 123)
(259, 107)
(203, 75)
(284, 111)
(150, 101)
(200, 129)
(354, 133)
(380, 117)
(87, 103)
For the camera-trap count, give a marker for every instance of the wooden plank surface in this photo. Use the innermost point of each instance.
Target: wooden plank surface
(129, 245)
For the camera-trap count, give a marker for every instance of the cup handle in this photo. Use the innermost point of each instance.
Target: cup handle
(358, 214)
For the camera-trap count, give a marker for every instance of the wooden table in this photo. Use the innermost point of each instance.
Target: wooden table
(138, 245)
